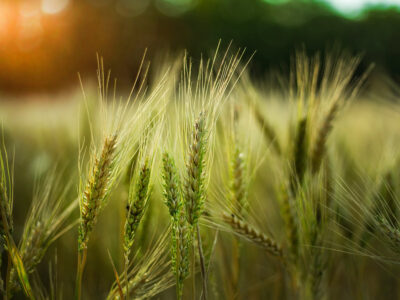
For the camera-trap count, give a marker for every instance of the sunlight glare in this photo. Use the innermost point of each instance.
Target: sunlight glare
(54, 6)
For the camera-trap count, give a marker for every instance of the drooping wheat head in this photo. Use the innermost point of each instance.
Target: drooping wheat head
(250, 233)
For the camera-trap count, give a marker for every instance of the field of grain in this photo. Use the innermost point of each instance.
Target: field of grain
(203, 183)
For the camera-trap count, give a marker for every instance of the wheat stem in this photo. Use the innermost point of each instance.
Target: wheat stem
(82, 254)
(202, 262)
(290, 223)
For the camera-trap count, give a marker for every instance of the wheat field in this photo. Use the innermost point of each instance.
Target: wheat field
(203, 183)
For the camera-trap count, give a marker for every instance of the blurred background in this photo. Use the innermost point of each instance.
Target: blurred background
(44, 43)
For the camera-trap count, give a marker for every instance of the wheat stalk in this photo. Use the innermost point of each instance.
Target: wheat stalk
(5, 225)
(6, 229)
(238, 194)
(96, 189)
(194, 181)
(180, 233)
(194, 193)
(290, 223)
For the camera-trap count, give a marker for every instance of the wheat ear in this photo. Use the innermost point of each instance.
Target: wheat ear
(194, 181)
(238, 185)
(319, 150)
(138, 198)
(95, 191)
(180, 232)
(171, 184)
(139, 194)
(194, 187)
(250, 233)
(94, 194)
(299, 153)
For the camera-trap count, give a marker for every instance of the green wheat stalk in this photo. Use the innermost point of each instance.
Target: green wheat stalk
(97, 187)
(194, 193)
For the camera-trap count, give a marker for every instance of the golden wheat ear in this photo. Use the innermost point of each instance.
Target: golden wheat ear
(97, 187)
